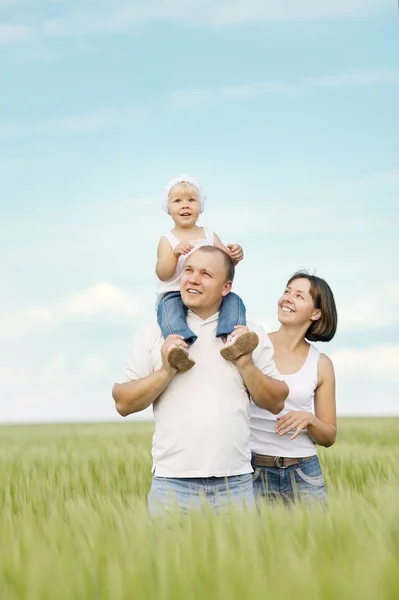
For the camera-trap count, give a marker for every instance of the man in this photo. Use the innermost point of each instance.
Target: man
(201, 441)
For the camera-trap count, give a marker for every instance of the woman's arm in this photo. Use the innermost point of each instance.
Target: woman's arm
(321, 426)
(323, 430)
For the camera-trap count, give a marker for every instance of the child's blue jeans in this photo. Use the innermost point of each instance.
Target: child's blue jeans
(172, 313)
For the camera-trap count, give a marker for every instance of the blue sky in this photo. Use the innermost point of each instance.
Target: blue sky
(286, 112)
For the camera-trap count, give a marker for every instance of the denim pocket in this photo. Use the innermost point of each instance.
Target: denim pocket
(316, 480)
(255, 475)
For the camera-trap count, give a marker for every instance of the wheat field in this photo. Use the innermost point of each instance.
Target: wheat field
(74, 524)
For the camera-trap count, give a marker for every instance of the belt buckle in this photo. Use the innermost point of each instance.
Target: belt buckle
(279, 462)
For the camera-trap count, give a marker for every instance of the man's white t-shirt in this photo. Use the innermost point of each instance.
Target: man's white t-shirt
(202, 418)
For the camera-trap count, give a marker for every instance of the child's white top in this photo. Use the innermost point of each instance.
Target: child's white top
(302, 386)
(173, 284)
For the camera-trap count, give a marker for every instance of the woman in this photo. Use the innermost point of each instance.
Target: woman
(284, 455)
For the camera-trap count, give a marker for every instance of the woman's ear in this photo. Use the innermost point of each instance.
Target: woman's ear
(316, 314)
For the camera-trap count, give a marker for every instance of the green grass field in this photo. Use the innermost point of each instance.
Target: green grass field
(74, 524)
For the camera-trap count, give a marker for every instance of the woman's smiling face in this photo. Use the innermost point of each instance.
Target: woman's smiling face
(296, 305)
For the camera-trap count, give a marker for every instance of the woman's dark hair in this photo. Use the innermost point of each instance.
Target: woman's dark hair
(322, 330)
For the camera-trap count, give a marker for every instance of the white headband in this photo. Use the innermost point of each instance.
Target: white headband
(183, 179)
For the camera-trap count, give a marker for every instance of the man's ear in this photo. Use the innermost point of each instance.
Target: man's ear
(227, 288)
(316, 315)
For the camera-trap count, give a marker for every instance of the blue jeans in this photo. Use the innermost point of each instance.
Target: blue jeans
(298, 483)
(218, 493)
(171, 315)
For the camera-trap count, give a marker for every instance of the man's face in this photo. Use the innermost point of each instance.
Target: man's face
(203, 283)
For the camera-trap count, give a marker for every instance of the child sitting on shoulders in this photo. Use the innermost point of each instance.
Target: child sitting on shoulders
(184, 201)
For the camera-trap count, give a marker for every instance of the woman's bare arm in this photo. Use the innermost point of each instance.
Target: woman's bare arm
(323, 429)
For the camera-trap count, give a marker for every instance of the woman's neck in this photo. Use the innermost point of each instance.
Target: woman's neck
(290, 339)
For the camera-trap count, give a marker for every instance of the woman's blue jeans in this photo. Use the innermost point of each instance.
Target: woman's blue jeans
(298, 483)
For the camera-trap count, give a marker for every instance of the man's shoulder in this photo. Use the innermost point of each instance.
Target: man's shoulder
(264, 339)
(148, 333)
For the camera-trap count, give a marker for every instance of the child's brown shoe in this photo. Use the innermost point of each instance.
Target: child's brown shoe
(180, 359)
(242, 344)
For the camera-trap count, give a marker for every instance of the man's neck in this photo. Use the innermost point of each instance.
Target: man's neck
(205, 313)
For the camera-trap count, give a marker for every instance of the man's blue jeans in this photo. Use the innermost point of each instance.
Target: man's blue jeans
(172, 313)
(298, 483)
(218, 493)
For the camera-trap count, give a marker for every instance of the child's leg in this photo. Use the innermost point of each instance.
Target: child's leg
(171, 316)
(231, 313)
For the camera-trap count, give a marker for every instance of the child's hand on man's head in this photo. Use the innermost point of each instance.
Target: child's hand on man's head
(236, 252)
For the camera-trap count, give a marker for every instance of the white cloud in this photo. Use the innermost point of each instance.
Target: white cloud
(367, 77)
(33, 319)
(376, 362)
(95, 121)
(53, 370)
(190, 98)
(93, 365)
(102, 299)
(10, 33)
(202, 97)
(292, 10)
(26, 20)
(371, 310)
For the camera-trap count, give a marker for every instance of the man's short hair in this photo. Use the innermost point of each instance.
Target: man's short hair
(228, 261)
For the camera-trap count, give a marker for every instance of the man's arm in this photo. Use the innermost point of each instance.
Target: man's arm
(134, 396)
(138, 393)
(258, 370)
(266, 392)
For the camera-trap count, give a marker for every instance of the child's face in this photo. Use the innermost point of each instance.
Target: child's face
(183, 205)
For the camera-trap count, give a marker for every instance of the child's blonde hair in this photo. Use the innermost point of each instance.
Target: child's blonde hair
(189, 182)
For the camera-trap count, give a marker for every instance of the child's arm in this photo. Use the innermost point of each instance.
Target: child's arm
(234, 250)
(168, 258)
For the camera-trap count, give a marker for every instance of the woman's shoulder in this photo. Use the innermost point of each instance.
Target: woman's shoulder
(325, 367)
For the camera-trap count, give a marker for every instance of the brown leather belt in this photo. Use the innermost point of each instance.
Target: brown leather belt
(280, 462)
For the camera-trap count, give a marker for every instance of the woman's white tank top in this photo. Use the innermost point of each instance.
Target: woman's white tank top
(302, 386)
(173, 284)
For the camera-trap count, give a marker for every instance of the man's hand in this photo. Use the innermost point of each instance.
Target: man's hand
(183, 248)
(170, 342)
(236, 252)
(294, 419)
(245, 359)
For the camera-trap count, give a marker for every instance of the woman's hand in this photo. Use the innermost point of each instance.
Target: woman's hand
(294, 419)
